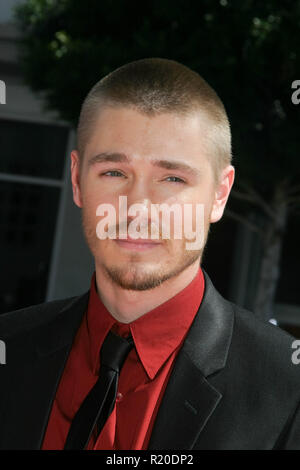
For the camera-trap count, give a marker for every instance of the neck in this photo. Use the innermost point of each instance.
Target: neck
(128, 305)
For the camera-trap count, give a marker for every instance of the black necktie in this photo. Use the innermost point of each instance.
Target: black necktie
(100, 401)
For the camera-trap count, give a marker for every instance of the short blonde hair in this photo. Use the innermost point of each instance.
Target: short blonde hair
(156, 85)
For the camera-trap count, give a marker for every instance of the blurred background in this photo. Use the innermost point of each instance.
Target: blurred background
(53, 51)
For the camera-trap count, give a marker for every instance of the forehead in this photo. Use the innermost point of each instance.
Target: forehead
(127, 130)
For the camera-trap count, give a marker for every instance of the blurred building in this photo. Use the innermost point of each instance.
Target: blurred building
(42, 250)
(43, 254)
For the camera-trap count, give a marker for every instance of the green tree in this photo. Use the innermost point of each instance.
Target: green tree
(248, 51)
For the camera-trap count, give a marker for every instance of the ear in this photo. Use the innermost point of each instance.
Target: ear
(222, 192)
(75, 178)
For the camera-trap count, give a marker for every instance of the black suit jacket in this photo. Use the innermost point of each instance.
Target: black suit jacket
(233, 385)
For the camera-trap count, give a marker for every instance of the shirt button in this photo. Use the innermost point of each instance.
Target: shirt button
(119, 396)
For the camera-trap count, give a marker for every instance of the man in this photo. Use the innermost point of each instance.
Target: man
(199, 372)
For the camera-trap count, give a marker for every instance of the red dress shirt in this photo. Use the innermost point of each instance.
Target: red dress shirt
(158, 336)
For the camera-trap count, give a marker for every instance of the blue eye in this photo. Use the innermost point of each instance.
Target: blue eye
(176, 177)
(116, 173)
(111, 171)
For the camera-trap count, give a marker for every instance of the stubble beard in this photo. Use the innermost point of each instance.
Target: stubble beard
(134, 274)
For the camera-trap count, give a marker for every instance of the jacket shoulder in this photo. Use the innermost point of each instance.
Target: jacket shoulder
(261, 331)
(264, 348)
(25, 319)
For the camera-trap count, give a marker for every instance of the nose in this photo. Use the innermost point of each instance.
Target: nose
(138, 190)
(139, 198)
(140, 208)
(146, 220)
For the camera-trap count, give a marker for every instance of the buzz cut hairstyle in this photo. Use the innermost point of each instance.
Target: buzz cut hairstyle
(153, 86)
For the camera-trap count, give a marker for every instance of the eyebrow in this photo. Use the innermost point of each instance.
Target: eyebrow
(122, 157)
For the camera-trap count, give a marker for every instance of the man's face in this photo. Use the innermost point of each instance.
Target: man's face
(140, 146)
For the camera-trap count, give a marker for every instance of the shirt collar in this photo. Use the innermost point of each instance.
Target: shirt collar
(156, 334)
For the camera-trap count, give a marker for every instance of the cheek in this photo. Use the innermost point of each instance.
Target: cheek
(93, 196)
(89, 206)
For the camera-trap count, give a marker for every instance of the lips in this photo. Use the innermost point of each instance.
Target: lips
(137, 244)
(139, 241)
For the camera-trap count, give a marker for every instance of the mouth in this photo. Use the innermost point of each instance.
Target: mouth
(137, 244)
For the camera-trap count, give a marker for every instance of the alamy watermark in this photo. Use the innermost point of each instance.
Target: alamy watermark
(2, 352)
(2, 92)
(296, 94)
(183, 217)
(296, 353)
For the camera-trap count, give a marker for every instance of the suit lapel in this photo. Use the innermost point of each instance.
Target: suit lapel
(190, 400)
(33, 386)
(188, 403)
